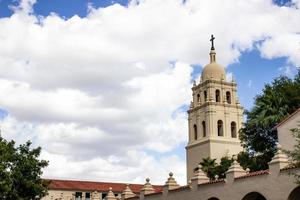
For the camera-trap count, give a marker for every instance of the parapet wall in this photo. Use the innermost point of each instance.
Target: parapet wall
(277, 183)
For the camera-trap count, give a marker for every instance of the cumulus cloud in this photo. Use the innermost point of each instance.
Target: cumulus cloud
(99, 93)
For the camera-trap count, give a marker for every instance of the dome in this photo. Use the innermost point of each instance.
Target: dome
(213, 70)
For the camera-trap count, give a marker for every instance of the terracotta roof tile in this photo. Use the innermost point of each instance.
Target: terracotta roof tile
(257, 173)
(186, 187)
(153, 193)
(213, 181)
(287, 118)
(288, 168)
(95, 186)
(136, 197)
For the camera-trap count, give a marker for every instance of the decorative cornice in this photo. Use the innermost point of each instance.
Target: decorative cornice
(222, 140)
(214, 104)
(206, 82)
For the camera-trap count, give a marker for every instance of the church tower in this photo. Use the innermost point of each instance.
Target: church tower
(214, 117)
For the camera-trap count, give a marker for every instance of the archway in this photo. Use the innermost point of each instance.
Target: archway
(228, 97)
(233, 129)
(195, 132)
(254, 196)
(218, 99)
(295, 194)
(220, 128)
(204, 129)
(213, 198)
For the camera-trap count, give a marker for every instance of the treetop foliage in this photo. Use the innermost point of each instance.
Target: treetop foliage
(259, 135)
(20, 171)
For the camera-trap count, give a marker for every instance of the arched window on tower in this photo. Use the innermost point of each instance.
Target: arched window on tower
(228, 97)
(233, 129)
(220, 128)
(198, 98)
(195, 132)
(204, 129)
(205, 95)
(217, 95)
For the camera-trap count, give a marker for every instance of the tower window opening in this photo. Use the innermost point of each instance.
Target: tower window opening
(205, 95)
(220, 128)
(195, 132)
(198, 97)
(228, 97)
(204, 129)
(217, 95)
(233, 130)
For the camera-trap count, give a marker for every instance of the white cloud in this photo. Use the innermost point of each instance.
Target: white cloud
(229, 76)
(100, 90)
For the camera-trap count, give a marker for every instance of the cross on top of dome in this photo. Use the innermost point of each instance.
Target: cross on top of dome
(212, 42)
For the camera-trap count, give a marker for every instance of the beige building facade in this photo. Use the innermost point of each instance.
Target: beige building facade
(285, 136)
(214, 118)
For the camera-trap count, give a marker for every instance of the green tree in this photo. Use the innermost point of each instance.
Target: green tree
(212, 169)
(223, 166)
(208, 165)
(258, 135)
(253, 162)
(20, 171)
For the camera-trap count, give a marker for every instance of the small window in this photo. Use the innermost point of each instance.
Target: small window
(205, 95)
(195, 132)
(228, 97)
(104, 195)
(198, 97)
(78, 195)
(233, 130)
(204, 129)
(220, 128)
(87, 196)
(217, 95)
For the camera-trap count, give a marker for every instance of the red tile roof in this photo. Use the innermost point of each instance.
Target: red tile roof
(288, 168)
(287, 118)
(155, 193)
(136, 197)
(213, 181)
(185, 187)
(257, 173)
(95, 186)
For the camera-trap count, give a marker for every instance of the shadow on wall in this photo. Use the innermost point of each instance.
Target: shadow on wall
(295, 194)
(254, 196)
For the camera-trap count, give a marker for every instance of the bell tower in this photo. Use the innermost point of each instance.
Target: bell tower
(214, 118)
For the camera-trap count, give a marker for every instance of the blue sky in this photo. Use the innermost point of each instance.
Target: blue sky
(77, 7)
(79, 85)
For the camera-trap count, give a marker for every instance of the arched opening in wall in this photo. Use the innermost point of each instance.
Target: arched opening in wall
(228, 97)
(295, 194)
(217, 95)
(195, 132)
(198, 98)
(233, 129)
(205, 95)
(220, 128)
(254, 196)
(213, 198)
(204, 128)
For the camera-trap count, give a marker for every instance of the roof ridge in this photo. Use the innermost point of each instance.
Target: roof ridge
(287, 118)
